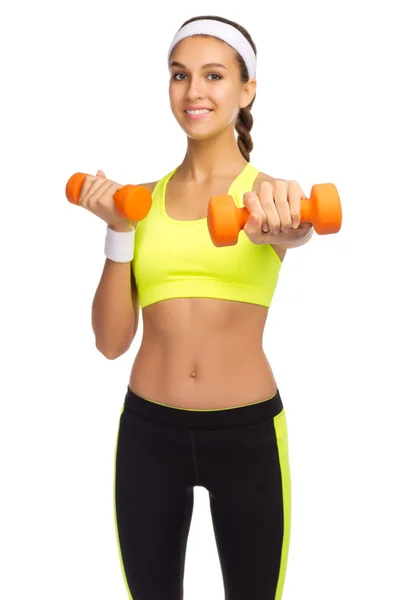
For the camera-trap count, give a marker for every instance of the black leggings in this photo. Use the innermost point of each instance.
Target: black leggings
(240, 455)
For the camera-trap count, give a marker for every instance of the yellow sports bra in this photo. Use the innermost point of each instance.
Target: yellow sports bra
(177, 259)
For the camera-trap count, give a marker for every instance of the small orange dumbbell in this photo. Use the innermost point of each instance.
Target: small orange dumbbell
(131, 201)
(322, 209)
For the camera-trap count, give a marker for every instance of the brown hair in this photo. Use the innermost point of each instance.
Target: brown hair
(244, 121)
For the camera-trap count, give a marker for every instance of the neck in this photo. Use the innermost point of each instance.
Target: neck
(212, 158)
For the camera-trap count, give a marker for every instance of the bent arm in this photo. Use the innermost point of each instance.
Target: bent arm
(113, 316)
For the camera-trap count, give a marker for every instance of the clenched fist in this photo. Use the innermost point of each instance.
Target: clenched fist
(276, 208)
(97, 196)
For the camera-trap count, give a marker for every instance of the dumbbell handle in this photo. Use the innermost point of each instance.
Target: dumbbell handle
(131, 201)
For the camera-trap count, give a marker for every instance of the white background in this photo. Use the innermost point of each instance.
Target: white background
(85, 87)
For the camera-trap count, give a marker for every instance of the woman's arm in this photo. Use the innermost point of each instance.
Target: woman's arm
(116, 306)
(113, 315)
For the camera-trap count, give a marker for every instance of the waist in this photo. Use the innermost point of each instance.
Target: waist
(238, 416)
(211, 377)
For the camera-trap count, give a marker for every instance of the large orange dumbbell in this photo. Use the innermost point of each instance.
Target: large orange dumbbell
(131, 201)
(322, 209)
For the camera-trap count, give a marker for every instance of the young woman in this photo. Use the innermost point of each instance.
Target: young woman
(202, 406)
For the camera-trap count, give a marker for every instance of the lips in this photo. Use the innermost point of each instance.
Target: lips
(197, 108)
(198, 116)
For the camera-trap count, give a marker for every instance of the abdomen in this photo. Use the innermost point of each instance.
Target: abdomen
(203, 353)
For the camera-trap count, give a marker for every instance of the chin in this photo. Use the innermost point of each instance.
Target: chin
(199, 132)
(203, 135)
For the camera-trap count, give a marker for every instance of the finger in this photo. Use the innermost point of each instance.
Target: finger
(256, 216)
(254, 233)
(253, 228)
(267, 201)
(97, 188)
(252, 202)
(295, 195)
(305, 226)
(87, 187)
(281, 202)
(107, 192)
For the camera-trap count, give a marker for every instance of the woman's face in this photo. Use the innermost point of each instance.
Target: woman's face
(214, 87)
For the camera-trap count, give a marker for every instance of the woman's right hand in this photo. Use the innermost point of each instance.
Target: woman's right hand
(97, 197)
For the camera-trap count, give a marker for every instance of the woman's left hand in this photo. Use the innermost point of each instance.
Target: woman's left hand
(275, 213)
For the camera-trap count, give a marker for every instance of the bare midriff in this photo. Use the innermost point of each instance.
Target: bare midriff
(203, 353)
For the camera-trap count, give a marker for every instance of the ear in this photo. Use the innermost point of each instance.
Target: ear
(248, 92)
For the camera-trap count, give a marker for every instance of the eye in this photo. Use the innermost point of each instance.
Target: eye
(176, 75)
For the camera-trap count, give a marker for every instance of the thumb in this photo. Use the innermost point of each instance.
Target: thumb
(253, 219)
(252, 224)
(100, 174)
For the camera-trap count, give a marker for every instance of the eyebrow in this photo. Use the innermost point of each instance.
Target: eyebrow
(178, 64)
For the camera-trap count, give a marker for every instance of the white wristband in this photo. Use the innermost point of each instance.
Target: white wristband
(119, 245)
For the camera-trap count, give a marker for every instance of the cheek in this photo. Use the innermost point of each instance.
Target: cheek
(174, 94)
(224, 94)
(233, 116)
(227, 100)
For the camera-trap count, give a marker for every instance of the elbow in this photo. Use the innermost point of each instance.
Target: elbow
(111, 350)
(110, 354)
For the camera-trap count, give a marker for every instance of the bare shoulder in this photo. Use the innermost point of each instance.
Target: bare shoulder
(256, 188)
(150, 186)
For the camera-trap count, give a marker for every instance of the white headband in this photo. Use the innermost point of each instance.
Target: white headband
(223, 31)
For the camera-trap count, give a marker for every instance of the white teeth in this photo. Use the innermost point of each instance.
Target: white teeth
(198, 112)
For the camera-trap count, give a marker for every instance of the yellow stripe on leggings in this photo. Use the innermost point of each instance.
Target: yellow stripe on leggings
(280, 426)
(115, 515)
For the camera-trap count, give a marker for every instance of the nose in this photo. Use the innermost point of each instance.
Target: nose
(196, 88)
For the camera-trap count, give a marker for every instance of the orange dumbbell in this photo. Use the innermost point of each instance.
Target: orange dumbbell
(131, 201)
(322, 209)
